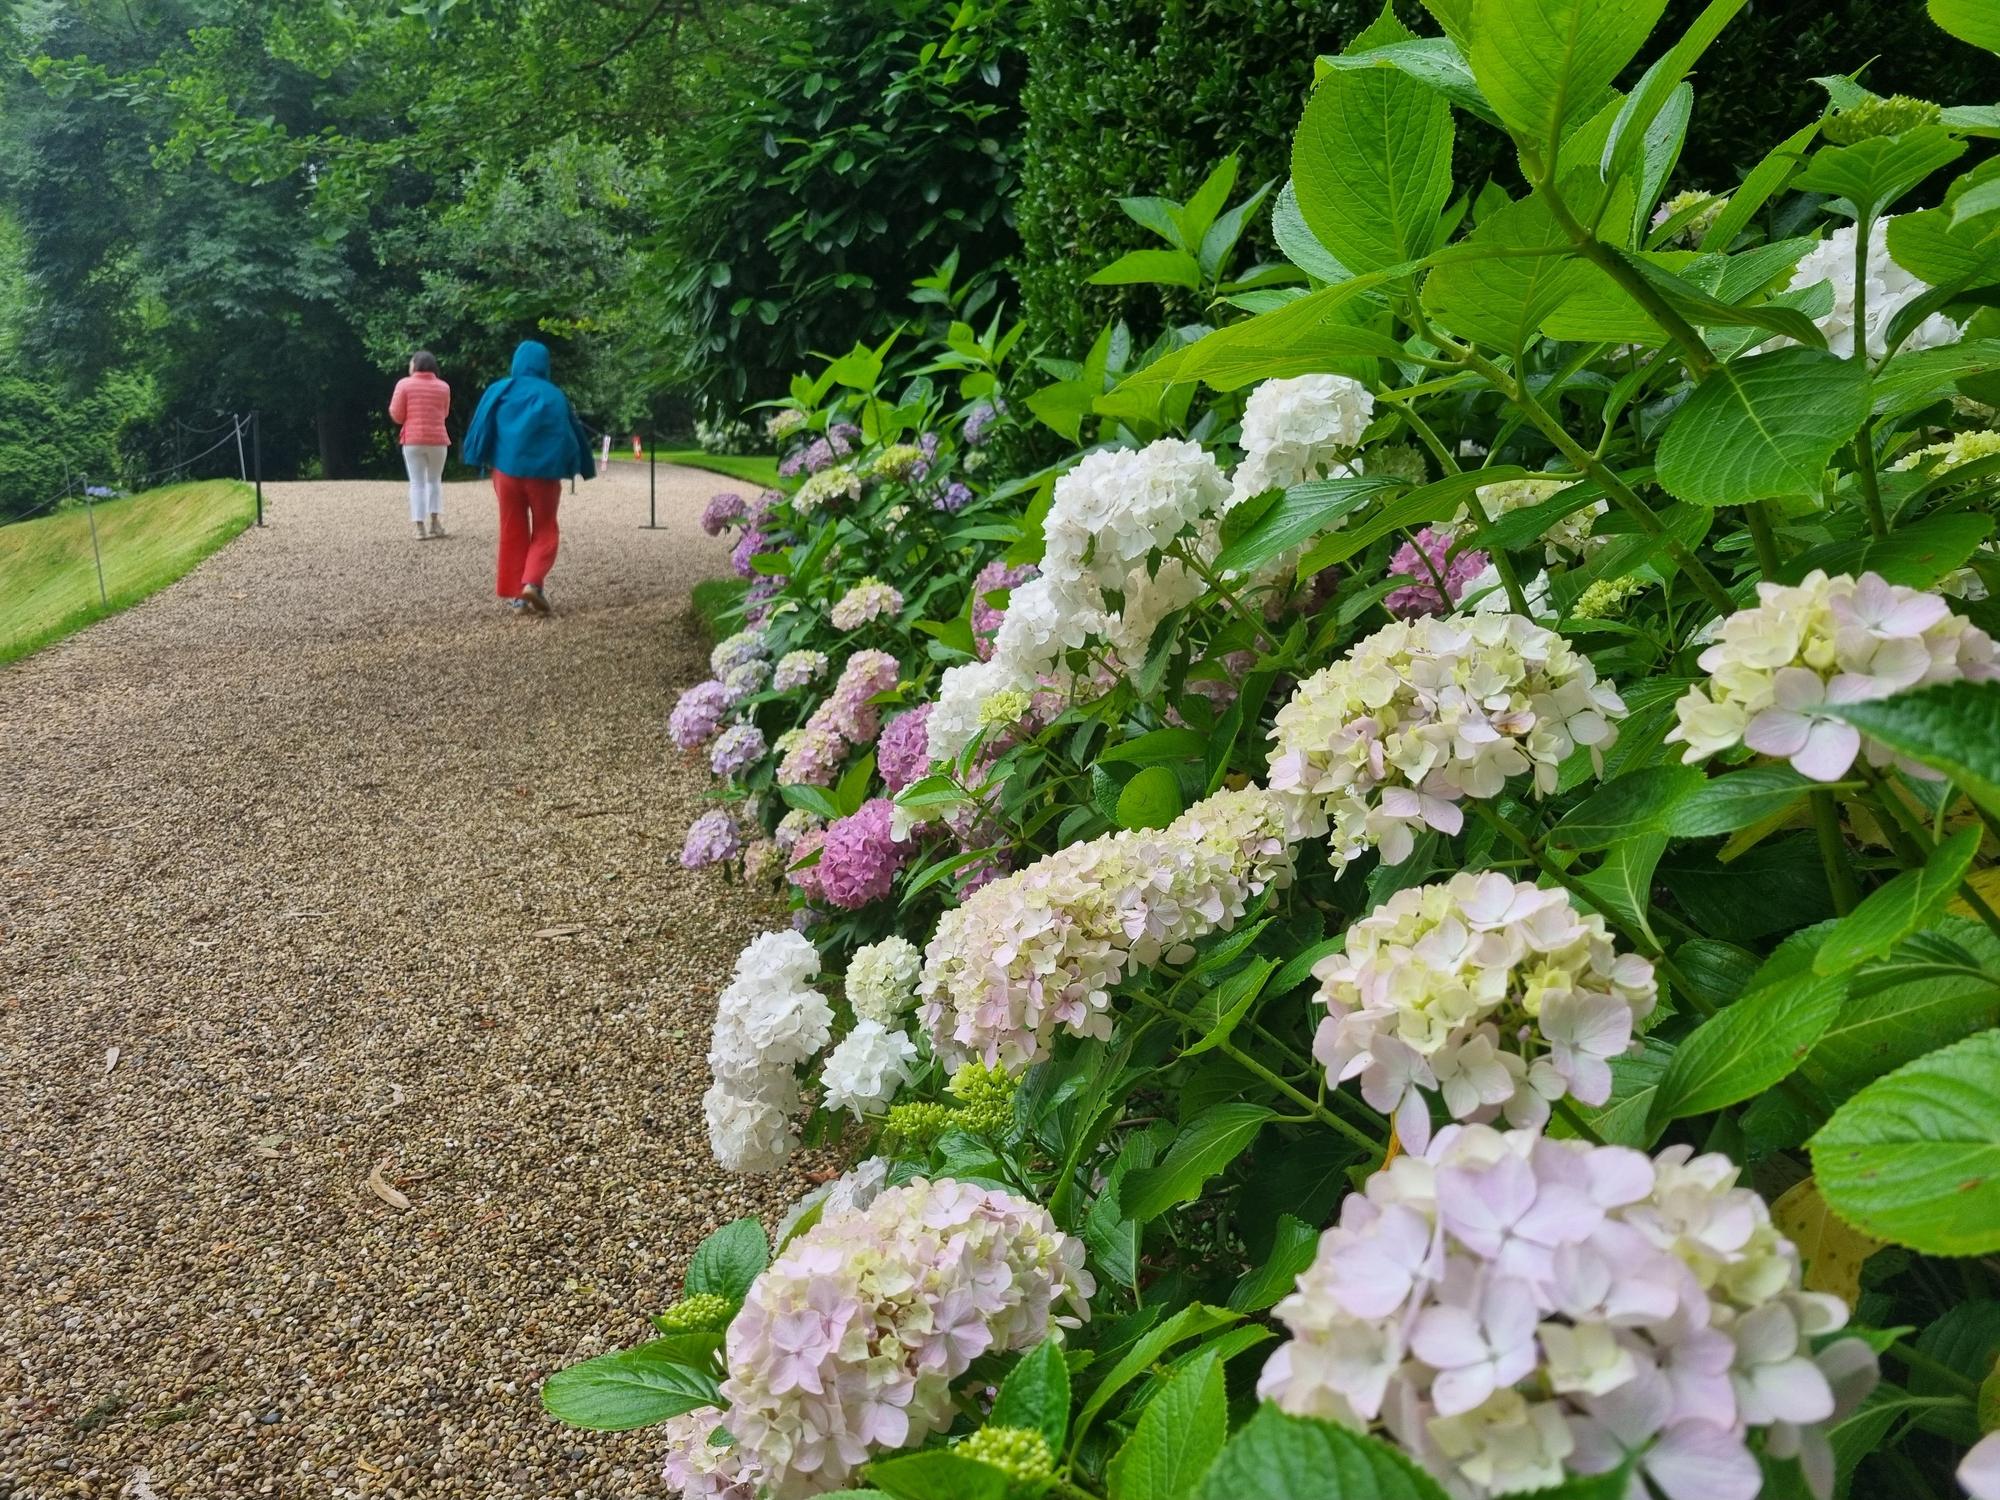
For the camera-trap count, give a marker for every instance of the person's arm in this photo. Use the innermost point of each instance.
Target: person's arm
(399, 404)
(477, 449)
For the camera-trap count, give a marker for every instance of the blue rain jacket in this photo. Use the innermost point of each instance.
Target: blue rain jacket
(525, 427)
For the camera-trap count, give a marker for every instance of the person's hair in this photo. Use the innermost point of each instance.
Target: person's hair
(423, 359)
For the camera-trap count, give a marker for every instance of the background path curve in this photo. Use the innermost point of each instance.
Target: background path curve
(284, 837)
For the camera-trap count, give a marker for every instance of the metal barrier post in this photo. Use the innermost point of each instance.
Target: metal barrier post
(652, 486)
(90, 509)
(242, 469)
(257, 447)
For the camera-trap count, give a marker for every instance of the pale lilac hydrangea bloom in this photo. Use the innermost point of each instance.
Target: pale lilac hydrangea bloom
(745, 681)
(848, 1344)
(748, 546)
(818, 455)
(796, 669)
(1779, 665)
(697, 1469)
(866, 1068)
(982, 417)
(861, 855)
(768, 1021)
(793, 464)
(721, 512)
(737, 748)
(870, 599)
(1500, 997)
(760, 505)
(757, 598)
(1516, 1310)
(698, 714)
(810, 756)
(1424, 713)
(902, 754)
(843, 436)
(986, 617)
(953, 498)
(711, 838)
(734, 650)
(882, 980)
(1434, 562)
(1040, 950)
(783, 422)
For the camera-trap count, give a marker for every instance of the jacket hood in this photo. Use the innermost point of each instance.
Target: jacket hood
(532, 358)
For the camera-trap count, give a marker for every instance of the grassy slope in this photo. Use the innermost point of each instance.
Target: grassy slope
(759, 470)
(48, 581)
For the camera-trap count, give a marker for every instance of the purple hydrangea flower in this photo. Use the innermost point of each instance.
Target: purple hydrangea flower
(759, 506)
(793, 465)
(980, 418)
(859, 859)
(698, 714)
(1421, 597)
(842, 436)
(986, 619)
(736, 747)
(819, 454)
(711, 838)
(721, 511)
(747, 546)
(953, 498)
(903, 753)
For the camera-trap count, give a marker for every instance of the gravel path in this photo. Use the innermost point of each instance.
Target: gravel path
(289, 847)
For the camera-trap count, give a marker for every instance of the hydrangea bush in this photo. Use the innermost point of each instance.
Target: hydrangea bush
(1416, 913)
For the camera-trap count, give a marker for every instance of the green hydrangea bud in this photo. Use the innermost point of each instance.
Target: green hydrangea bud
(897, 461)
(919, 1124)
(704, 1312)
(1605, 598)
(987, 1095)
(1395, 461)
(1021, 1453)
(1873, 117)
(1004, 708)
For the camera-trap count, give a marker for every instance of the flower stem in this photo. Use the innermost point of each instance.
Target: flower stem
(1567, 1113)
(1324, 1116)
(1759, 518)
(1833, 853)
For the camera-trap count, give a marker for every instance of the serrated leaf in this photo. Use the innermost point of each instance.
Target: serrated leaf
(1293, 1246)
(1935, 989)
(727, 1261)
(1177, 1436)
(1371, 165)
(937, 1474)
(1303, 1458)
(1723, 804)
(1763, 426)
(1222, 1008)
(1874, 173)
(1301, 513)
(1206, 1145)
(1157, 747)
(1638, 802)
(1036, 1394)
(1953, 728)
(1151, 799)
(1142, 267)
(1433, 61)
(1898, 908)
(1191, 1321)
(1974, 21)
(1914, 1158)
(1754, 1044)
(1540, 62)
(631, 1388)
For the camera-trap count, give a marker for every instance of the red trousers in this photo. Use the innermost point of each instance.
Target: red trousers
(528, 533)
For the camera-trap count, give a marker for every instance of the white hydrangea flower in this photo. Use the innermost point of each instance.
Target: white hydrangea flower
(1116, 506)
(1890, 290)
(1424, 713)
(867, 1067)
(1568, 538)
(1306, 427)
(1777, 666)
(768, 1020)
(882, 980)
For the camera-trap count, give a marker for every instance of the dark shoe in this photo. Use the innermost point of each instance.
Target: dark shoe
(517, 606)
(535, 598)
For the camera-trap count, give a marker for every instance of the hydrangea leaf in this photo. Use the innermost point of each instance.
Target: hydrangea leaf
(1205, 1146)
(1874, 173)
(631, 1388)
(938, 1474)
(1914, 1158)
(1433, 61)
(1294, 1245)
(1641, 801)
(1974, 21)
(1832, 1252)
(1304, 511)
(1899, 907)
(1763, 426)
(1934, 989)
(1036, 1394)
(729, 1260)
(1177, 1437)
(1754, 1044)
(1953, 728)
(1371, 165)
(1151, 799)
(1540, 62)
(1303, 1458)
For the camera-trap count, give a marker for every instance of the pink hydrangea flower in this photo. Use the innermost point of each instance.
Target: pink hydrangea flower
(860, 856)
(698, 714)
(1422, 597)
(903, 753)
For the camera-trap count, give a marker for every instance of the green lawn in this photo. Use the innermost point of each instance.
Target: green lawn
(148, 540)
(752, 470)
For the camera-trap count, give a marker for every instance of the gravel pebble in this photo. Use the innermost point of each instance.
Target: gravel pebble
(283, 837)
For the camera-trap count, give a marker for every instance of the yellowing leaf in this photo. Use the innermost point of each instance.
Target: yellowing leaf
(381, 1189)
(1833, 1252)
(1987, 883)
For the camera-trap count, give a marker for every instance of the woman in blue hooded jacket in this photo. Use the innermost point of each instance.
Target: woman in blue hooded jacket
(526, 433)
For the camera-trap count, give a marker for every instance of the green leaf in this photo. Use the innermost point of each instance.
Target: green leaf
(1974, 21)
(1298, 968)
(1433, 61)
(1744, 1050)
(1635, 1082)
(1152, 799)
(1914, 1158)
(1191, 1321)
(1764, 179)
(1763, 426)
(1157, 747)
(1723, 804)
(1224, 1006)
(1371, 165)
(853, 788)
(1177, 1437)
(1207, 1144)
(1638, 802)
(1899, 908)
(1916, 554)
(1542, 62)
(1909, 382)
(1296, 240)
(631, 1388)
(1932, 990)
(1704, 311)
(1293, 1247)
(1622, 887)
(1658, 83)
(1303, 1458)
(1953, 728)
(1504, 300)
(1874, 173)
(1142, 267)
(1429, 502)
(1305, 510)
(725, 1263)
(1928, 245)
(938, 1474)
(814, 799)
(1036, 1394)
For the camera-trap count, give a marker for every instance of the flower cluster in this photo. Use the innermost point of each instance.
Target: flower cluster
(953, 498)
(697, 715)
(749, 545)
(900, 461)
(867, 1067)
(1499, 997)
(1435, 563)
(1707, 209)
(1890, 289)
(903, 754)
(870, 599)
(986, 616)
(1424, 713)
(861, 855)
(698, 1469)
(797, 668)
(845, 718)
(736, 749)
(841, 482)
(735, 650)
(784, 422)
(981, 418)
(1567, 538)
(849, 1342)
(1041, 949)
(1294, 430)
(768, 1020)
(1778, 666)
(882, 980)
(1515, 1309)
(711, 838)
(741, 682)
(721, 512)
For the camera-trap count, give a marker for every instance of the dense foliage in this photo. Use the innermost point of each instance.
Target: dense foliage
(1419, 919)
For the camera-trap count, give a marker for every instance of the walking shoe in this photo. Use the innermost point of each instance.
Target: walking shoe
(517, 606)
(422, 535)
(532, 595)
(437, 525)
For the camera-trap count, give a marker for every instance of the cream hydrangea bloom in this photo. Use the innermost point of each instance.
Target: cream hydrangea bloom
(882, 980)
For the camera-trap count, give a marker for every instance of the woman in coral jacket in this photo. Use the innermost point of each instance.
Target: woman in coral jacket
(420, 403)
(526, 432)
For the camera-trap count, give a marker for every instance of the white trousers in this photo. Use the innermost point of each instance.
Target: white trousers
(425, 461)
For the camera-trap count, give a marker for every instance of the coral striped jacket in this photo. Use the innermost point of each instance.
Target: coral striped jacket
(421, 403)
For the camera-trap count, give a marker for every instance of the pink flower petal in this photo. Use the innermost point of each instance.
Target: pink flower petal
(1829, 750)
(1979, 1471)
(1696, 1461)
